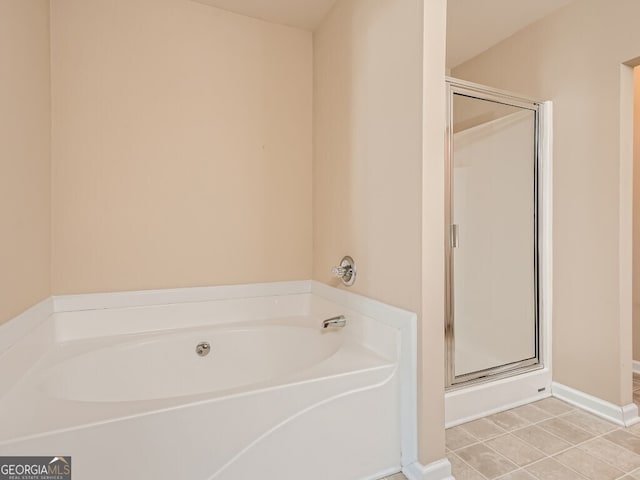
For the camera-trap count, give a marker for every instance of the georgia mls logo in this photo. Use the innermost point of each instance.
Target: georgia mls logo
(35, 468)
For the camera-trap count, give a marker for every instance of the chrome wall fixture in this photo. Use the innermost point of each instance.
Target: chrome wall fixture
(339, 321)
(346, 271)
(203, 349)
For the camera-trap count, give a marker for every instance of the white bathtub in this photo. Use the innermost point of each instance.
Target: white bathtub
(123, 391)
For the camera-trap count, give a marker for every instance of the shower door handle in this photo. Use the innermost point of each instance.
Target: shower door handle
(455, 236)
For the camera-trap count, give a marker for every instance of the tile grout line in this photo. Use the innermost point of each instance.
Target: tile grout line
(509, 432)
(577, 445)
(571, 446)
(615, 445)
(559, 463)
(479, 442)
(594, 433)
(603, 437)
(470, 466)
(505, 431)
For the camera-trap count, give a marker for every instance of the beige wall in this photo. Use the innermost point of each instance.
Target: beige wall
(181, 147)
(367, 169)
(573, 57)
(636, 214)
(24, 155)
(367, 147)
(431, 328)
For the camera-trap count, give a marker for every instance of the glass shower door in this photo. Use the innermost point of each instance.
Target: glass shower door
(492, 325)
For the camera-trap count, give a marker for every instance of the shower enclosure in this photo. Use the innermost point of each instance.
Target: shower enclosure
(493, 251)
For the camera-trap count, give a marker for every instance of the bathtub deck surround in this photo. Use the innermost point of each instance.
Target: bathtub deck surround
(273, 390)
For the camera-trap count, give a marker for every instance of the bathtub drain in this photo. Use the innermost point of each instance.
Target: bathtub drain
(203, 349)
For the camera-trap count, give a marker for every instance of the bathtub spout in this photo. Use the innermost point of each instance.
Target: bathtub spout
(339, 321)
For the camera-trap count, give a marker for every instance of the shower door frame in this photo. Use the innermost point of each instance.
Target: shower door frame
(481, 92)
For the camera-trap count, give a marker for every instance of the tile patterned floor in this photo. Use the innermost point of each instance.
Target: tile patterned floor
(545, 440)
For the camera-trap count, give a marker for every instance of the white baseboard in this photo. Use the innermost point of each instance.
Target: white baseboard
(19, 326)
(636, 366)
(440, 470)
(625, 416)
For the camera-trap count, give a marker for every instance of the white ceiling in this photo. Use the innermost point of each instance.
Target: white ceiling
(306, 14)
(473, 26)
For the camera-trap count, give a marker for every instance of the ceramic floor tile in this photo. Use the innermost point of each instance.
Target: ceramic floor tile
(462, 471)
(634, 429)
(509, 420)
(553, 406)
(624, 439)
(566, 431)
(589, 423)
(483, 429)
(545, 440)
(542, 440)
(516, 450)
(486, 461)
(550, 469)
(457, 437)
(617, 456)
(518, 475)
(585, 464)
(532, 413)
